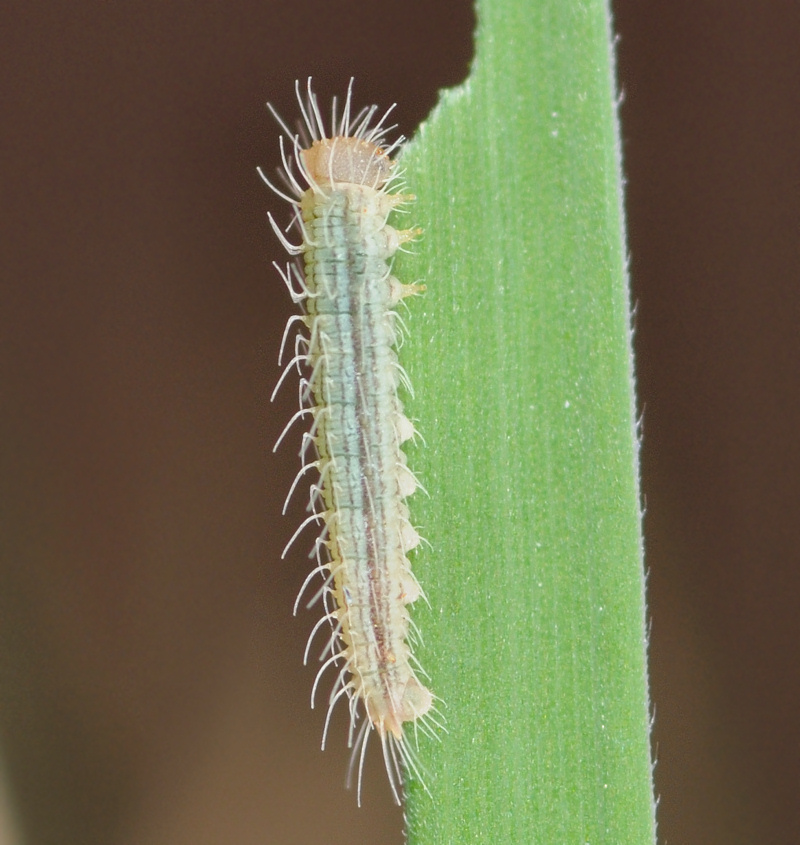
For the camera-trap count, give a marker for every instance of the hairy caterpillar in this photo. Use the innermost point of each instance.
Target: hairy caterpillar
(342, 188)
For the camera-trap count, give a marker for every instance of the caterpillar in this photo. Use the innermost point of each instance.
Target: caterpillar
(342, 187)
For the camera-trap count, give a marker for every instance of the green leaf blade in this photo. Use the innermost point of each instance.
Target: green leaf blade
(521, 361)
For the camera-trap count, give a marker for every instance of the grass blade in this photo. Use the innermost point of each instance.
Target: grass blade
(520, 356)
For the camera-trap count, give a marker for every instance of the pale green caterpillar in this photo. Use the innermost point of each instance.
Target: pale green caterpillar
(344, 188)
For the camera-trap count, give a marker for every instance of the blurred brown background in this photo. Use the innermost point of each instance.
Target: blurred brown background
(150, 681)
